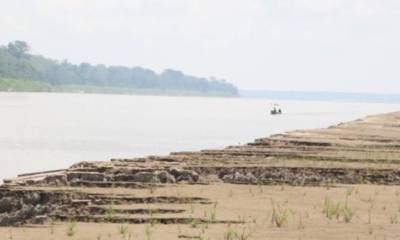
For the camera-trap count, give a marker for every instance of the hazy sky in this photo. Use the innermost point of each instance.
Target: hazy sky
(335, 45)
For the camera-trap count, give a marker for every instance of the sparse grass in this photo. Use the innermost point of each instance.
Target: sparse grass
(347, 213)
(194, 223)
(11, 236)
(123, 230)
(110, 212)
(147, 233)
(192, 208)
(152, 189)
(153, 221)
(230, 234)
(331, 209)
(52, 224)
(349, 192)
(213, 213)
(280, 214)
(71, 228)
(338, 210)
(242, 219)
(244, 236)
(301, 223)
(301, 217)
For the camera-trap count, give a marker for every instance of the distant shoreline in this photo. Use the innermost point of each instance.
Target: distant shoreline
(30, 86)
(322, 96)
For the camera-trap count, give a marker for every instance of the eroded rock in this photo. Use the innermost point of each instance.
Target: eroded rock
(146, 177)
(185, 175)
(85, 176)
(166, 177)
(7, 204)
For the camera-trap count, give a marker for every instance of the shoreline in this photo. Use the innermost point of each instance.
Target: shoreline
(351, 159)
(288, 150)
(30, 86)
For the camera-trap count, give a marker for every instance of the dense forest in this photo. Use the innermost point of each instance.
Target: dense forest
(19, 68)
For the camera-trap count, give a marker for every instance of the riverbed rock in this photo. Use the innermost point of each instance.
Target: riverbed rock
(240, 178)
(17, 217)
(251, 178)
(85, 176)
(41, 219)
(56, 180)
(32, 198)
(83, 164)
(166, 177)
(7, 204)
(146, 177)
(185, 175)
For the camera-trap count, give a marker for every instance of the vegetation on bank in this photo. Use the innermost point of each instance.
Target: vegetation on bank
(20, 85)
(22, 71)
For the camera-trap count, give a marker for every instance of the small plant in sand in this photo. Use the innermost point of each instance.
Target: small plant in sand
(244, 235)
(110, 212)
(152, 189)
(192, 208)
(204, 227)
(213, 213)
(123, 230)
(194, 223)
(349, 192)
(242, 219)
(205, 224)
(52, 224)
(71, 228)
(370, 208)
(147, 233)
(331, 209)
(347, 213)
(230, 234)
(338, 210)
(280, 214)
(152, 220)
(301, 223)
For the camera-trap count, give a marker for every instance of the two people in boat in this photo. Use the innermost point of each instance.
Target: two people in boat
(276, 110)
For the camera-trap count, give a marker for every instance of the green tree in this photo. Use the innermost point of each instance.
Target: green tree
(18, 48)
(17, 63)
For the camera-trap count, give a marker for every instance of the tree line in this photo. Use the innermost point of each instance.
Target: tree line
(16, 62)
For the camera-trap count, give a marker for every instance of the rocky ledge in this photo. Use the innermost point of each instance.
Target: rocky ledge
(365, 151)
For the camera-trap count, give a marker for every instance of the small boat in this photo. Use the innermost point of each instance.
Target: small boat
(276, 110)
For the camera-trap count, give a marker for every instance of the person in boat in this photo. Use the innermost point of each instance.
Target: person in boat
(275, 111)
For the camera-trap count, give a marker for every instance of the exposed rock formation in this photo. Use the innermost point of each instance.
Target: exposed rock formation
(365, 151)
